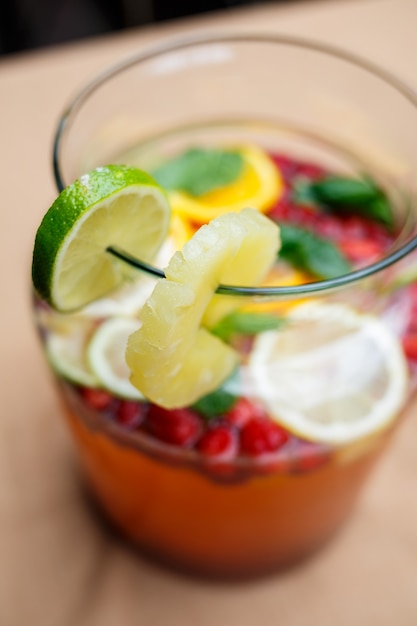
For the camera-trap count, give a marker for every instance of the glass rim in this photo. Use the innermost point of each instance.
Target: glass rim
(245, 37)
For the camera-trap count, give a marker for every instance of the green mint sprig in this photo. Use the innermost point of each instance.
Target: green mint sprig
(215, 404)
(340, 193)
(316, 255)
(245, 323)
(198, 171)
(219, 401)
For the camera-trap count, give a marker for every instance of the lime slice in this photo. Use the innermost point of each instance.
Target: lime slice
(173, 359)
(112, 205)
(106, 356)
(330, 375)
(66, 353)
(129, 299)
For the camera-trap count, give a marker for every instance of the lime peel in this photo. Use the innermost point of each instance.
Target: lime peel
(112, 205)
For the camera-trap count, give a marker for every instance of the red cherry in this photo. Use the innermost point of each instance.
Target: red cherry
(242, 411)
(180, 427)
(97, 398)
(131, 414)
(218, 441)
(261, 435)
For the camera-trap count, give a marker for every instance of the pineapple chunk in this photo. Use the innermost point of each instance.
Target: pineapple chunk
(173, 359)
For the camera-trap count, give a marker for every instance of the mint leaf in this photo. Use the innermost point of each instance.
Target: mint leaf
(380, 209)
(303, 193)
(360, 195)
(199, 170)
(245, 323)
(341, 191)
(214, 404)
(217, 402)
(311, 253)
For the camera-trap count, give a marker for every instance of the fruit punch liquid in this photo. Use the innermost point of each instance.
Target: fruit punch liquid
(226, 415)
(254, 475)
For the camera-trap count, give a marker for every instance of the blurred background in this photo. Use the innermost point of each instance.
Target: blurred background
(28, 24)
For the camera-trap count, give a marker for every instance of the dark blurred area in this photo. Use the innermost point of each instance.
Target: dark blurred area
(27, 24)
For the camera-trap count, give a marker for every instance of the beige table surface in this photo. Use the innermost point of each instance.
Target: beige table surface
(58, 565)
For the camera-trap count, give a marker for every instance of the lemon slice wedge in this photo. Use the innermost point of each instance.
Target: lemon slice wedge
(106, 356)
(331, 375)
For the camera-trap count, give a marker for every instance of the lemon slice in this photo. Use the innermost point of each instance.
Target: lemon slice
(258, 187)
(173, 359)
(106, 356)
(330, 375)
(66, 353)
(113, 205)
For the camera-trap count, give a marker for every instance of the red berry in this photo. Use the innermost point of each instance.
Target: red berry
(309, 170)
(302, 216)
(242, 411)
(286, 211)
(359, 227)
(412, 290)
(260, 435)
(410, 346)
(218, 441)
(307, 456)
(130, 414)
(354, 227)
(180, 427)
(286, 166)
(328, 226)
(412, 323)
(290, 167)
(361, 250)
(378, 232)
(97, 398)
